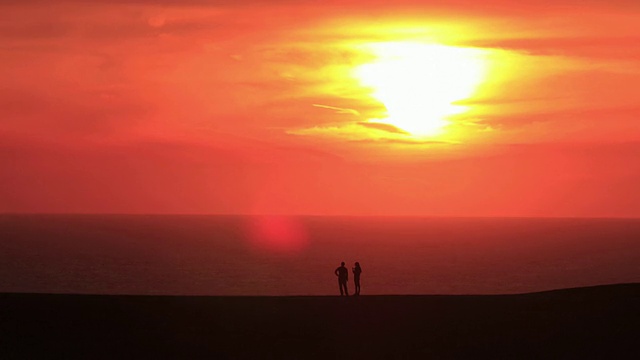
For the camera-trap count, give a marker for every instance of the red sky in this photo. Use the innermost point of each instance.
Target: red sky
(243, 107)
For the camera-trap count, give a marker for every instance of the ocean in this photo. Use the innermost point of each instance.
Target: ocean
(249, 255)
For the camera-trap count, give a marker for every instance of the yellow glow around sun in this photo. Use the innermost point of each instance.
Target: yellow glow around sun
(419, 83)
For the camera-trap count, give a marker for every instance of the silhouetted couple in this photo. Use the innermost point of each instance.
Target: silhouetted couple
(343, 276)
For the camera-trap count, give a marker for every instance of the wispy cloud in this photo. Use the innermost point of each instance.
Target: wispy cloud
(384, 127)
(338, 109)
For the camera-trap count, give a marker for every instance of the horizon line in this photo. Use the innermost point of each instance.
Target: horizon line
(423, 216)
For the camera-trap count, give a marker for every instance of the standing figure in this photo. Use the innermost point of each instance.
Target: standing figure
(343, 275)
(356, 277)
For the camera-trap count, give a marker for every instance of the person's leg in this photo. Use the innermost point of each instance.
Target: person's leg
(340, 286)
(346, 292)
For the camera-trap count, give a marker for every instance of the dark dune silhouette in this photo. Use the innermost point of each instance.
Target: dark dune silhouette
(595, 322)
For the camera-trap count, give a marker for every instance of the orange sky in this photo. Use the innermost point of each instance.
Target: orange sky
(256, 106)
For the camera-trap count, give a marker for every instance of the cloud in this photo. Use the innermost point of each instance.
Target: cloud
(498, 4)
(406, 141)
(384, 127)
(100, 114)
(598, 47)
(176, 60)
(365, 132)
(337, 109)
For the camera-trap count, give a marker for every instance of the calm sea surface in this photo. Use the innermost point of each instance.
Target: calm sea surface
(235, 255)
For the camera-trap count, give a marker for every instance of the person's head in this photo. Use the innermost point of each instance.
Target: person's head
(357, 264)
(342, 263)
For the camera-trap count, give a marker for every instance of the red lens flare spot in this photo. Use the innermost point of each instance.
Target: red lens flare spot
(277, 233)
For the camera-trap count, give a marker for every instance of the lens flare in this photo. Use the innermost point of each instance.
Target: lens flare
(281, 234)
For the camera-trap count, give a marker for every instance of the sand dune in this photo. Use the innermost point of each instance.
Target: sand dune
(594, 322)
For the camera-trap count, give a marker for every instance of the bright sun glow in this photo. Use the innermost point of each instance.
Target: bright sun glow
(419, 84)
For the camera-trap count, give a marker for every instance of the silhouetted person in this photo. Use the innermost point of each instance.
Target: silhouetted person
(356, 277)
(343, 275)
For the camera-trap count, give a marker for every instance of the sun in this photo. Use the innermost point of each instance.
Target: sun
(420, 83)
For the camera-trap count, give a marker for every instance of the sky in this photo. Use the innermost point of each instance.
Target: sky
(425, 108)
